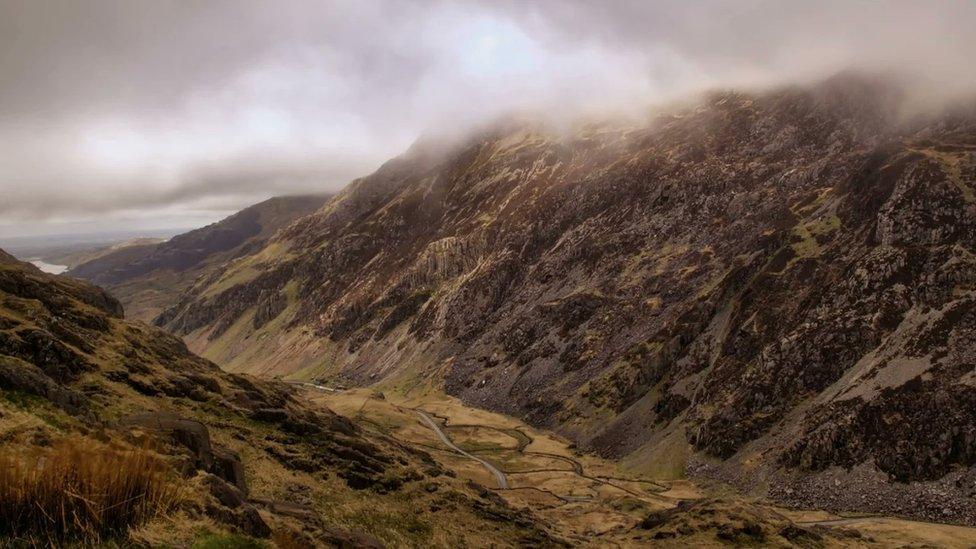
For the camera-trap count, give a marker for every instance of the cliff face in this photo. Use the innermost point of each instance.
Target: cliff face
(793, 263)
(148, 278)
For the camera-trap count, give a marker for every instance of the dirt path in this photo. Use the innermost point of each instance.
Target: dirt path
(499, 475)
(312, 385)
(836, 522)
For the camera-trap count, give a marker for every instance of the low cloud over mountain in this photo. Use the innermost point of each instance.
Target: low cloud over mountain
(132, 112)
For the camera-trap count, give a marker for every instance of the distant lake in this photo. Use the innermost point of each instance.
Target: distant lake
(49, 267)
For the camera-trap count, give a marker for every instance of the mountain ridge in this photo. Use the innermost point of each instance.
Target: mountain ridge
(787, 267)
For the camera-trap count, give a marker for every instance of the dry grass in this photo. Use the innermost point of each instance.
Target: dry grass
(80, 490)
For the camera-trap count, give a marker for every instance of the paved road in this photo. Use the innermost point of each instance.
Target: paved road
(499, 475)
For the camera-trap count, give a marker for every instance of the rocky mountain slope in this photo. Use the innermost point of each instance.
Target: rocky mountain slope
(249, 458)
(148, 277)
(773, 287)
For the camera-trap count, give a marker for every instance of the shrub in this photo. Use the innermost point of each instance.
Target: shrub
(80, 490)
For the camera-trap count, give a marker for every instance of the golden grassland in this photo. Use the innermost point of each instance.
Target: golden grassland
(588, 500)
(581, 496)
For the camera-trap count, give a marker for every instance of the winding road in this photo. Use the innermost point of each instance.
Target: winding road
(499, 475)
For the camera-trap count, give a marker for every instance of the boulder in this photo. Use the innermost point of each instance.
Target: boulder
(187, 433)
(224, 492)
(17, 375)
(228, 466)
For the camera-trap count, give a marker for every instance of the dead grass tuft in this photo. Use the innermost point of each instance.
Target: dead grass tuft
(80, 490)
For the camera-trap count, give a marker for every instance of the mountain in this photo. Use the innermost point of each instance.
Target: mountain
(114, 432)
(148, 276)
(84, 254)
(771, 289)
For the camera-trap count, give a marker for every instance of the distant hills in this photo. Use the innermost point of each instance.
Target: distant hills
(148, 275)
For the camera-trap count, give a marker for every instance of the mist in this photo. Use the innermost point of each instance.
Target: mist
(119, 113)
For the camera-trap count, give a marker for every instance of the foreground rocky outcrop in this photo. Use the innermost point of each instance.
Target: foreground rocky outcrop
(252, 458)
(783, 278)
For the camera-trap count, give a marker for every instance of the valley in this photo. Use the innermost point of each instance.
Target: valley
(590, 501)
(772, 291)
(583, 497)
(487, 274)
(750, 320)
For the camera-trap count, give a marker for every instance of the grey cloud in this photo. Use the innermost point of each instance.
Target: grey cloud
(777, 40)
(221, 187)
(58, 55)
(109, 106)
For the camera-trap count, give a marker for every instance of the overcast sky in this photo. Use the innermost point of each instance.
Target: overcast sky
(157, 113)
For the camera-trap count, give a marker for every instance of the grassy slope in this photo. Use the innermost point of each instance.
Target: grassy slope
(298, 457)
